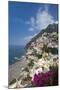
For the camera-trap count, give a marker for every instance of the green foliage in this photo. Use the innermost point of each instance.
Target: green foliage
(13, 81)
(26, 80)
(45, 48)
(49, 49)
(26, 69)
(54, 68)
(31, 63)
(53, 50)
(39, 56)
(34, 51)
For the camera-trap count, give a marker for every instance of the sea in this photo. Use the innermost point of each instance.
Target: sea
(15, 52)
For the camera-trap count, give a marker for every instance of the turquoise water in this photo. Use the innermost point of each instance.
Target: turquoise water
(15, 51)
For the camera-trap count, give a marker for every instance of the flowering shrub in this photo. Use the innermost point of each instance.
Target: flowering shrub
(45, 79)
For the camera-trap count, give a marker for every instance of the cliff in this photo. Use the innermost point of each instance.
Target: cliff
(41, 56)
(50, 29)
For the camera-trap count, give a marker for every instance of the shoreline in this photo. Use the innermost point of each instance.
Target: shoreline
(16, 69)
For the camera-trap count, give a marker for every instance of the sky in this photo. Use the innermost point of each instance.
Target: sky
(27, 19)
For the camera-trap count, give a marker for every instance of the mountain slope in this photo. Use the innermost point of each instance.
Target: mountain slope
(41, 57)
(51, 28)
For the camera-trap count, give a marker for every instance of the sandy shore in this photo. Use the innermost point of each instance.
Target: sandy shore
(16, 69)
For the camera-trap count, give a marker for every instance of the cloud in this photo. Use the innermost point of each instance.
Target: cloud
(42, 20)
(56, 22)
(31, 23)
(31, 29)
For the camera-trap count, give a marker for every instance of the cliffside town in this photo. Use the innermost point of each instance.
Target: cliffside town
(41, 56)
